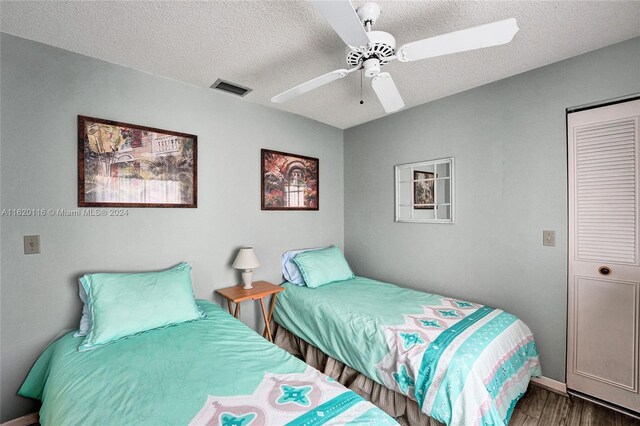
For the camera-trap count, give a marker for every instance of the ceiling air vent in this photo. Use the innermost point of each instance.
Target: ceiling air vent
(229, 87)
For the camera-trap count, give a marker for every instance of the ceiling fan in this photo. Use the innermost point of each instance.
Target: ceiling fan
(371, 50)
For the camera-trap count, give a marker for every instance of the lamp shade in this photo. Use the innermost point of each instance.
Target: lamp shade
(246, 259)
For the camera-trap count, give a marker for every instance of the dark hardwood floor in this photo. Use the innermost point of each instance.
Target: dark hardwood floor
(540, 407)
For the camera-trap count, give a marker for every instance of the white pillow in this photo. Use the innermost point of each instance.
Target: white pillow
(290, 270)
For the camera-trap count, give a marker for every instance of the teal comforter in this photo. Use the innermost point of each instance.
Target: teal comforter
(464, 363)
(211, 371)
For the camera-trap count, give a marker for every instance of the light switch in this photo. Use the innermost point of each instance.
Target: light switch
(549, 238)
(31, 244)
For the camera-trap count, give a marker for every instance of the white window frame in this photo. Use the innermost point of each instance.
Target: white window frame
(412, 167)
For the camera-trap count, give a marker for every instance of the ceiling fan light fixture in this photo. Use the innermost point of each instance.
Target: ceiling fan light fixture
(371, 67)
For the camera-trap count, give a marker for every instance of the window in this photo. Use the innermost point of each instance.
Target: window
(424, 191)
(294, 188)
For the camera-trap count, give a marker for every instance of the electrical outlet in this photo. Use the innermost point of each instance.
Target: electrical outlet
(549, 238)
(31, 244)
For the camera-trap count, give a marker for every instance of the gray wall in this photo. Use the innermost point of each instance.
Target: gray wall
(509, 143)
(43, 91)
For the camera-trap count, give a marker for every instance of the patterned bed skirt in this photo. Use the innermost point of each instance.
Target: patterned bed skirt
(403, 409)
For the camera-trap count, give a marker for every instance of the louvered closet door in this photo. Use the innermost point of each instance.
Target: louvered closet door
(604, 259)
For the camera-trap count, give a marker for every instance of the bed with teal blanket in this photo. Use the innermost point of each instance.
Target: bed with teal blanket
(462, 362)
(213, 371)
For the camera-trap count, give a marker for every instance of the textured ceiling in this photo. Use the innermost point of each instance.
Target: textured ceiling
(272, 46)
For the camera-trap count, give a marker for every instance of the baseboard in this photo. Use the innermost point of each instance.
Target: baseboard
(550, 384)
(26, 420)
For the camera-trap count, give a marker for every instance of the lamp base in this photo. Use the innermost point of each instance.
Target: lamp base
(247, 279)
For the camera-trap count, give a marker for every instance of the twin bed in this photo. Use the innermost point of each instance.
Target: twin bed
(212, 370)
(456, 361)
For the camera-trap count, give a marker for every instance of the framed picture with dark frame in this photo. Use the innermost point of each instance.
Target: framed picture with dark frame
(127, 165)
(423, 192)
(289, 181)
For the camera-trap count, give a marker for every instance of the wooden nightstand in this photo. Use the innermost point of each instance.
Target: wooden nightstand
(260, 290)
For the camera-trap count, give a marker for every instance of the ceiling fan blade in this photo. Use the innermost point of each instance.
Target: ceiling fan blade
(387, 92)
(494, 34)
(344, 20)
(311, 84)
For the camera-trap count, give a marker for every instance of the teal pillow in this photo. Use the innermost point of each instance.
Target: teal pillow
(320, 267)
(122, 305)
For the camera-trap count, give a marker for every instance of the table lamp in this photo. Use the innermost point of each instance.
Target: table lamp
(247, 260)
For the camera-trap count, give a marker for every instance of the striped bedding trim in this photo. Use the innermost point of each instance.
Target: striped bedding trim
(464, 359)
(329, 410)
(444, 342)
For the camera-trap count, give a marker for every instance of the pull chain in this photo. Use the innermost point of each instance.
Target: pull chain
(361, 101)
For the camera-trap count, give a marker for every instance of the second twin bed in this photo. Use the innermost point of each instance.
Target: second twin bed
(461, 362)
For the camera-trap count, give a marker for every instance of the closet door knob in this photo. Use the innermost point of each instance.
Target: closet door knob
(604, 270)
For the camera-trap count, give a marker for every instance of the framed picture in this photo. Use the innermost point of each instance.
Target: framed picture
(423, 189)
(126, 165)
(289, 181)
